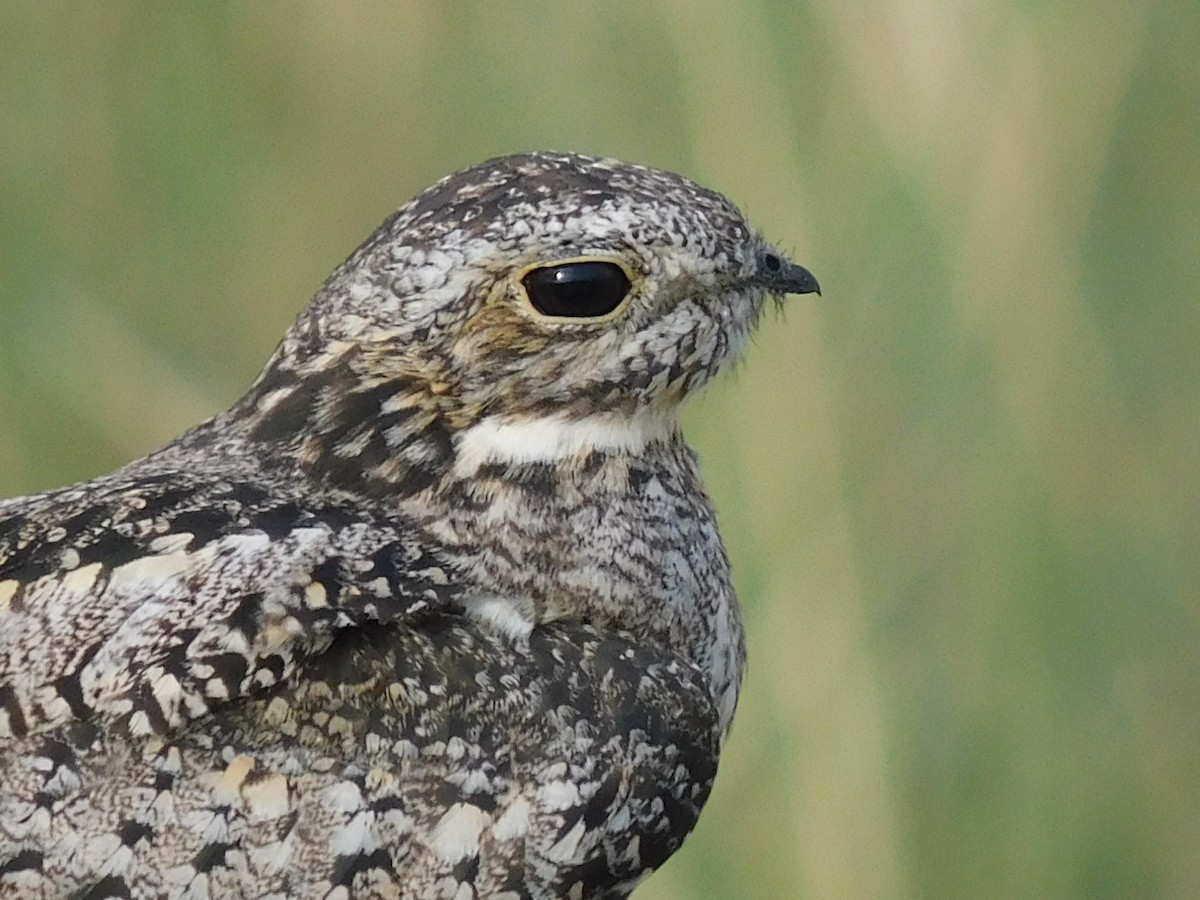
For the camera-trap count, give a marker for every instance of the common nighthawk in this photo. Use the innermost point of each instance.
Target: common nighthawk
(438, 609)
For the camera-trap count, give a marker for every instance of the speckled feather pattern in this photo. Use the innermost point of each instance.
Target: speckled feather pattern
(439, 609)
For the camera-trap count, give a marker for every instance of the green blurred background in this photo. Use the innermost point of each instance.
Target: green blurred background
(960, 490)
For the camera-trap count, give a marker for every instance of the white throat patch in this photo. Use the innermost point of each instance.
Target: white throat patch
(549, 439)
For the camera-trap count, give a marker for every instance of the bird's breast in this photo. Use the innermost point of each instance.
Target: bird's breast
(616, 539)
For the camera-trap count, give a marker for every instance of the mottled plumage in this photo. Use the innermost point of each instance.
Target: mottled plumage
(439, 609)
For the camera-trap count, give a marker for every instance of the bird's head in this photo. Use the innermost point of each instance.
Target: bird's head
(539, 299)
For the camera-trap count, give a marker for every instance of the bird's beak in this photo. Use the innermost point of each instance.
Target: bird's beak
(780, 275)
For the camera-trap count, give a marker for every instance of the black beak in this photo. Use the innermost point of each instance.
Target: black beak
(780, 275)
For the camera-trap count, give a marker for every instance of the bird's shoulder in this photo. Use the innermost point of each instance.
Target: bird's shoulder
(144, 598)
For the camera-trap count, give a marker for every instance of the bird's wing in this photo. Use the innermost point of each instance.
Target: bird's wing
(143, 604)
(566, 765)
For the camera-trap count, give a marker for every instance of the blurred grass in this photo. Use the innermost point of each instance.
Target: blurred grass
(960, 490)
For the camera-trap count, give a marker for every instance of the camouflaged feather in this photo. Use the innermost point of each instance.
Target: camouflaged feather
(439, 609)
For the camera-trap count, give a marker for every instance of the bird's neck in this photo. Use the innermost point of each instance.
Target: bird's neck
(348, 426)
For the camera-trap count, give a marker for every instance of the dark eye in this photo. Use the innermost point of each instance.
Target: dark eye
(577, 290)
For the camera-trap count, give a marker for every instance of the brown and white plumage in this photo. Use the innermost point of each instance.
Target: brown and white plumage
(439, 609)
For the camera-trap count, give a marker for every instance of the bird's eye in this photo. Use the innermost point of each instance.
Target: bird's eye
(586, 289)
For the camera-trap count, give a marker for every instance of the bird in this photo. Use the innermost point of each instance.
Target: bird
(439, 608)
